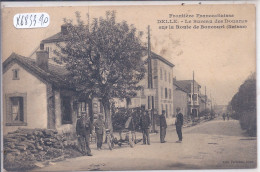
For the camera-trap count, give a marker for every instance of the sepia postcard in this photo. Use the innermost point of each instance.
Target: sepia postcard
(129, 87)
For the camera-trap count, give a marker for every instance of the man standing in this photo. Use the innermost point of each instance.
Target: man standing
(99, 129)
(145, 125)
(179, 123)
(163, 126)
(228, 116)
(224, 116)
(83, 131)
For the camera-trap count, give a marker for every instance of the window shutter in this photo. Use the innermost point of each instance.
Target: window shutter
(21, 109)
(8, 109)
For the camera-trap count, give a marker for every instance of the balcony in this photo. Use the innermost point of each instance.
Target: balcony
(193, 103)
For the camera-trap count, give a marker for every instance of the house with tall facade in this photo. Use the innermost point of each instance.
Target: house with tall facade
(205, 102)
(180, 97)
(160, 96)
(161, 93)
(186, 95)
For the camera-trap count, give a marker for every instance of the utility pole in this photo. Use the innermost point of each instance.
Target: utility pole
(150, 79)
(211, 103)
(193, 94)
(205, 97)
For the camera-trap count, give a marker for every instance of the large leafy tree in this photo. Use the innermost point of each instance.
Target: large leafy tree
(243, 104)
(104, 59)
(245, 99)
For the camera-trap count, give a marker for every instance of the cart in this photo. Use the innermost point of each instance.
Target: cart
(126, 136)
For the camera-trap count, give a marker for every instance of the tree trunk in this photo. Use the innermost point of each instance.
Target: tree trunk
(108, 117)
(90, 110)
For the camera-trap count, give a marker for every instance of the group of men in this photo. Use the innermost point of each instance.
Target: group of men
(145, 123)
(84, 129)
(224, 116)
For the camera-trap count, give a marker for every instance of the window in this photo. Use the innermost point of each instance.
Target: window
(170, 111)
(165, 75)
(169, 78)
(15, 74)
(82, 107)
(194, 97)
(170, 93)
(149, 103)
(161, 74)
(16, 109)
(162, 92)
(66, 110)
(166, 93)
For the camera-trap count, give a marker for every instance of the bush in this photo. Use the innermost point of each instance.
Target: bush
(248, 122)
(243, 105)
(205, 112)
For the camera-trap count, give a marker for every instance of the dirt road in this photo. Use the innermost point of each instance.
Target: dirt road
(211, 145)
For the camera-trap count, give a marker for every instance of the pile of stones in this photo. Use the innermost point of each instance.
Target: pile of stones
(33, 145)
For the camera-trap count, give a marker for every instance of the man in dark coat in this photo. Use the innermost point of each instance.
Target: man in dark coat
(163, 126)
(99, 129)
(179, 124)
(224, 116)
(83, 131)
(145, 123)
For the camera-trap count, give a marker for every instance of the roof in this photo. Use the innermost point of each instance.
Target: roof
(184, 85)
(54, 74)
(156, 56)
(58, 37)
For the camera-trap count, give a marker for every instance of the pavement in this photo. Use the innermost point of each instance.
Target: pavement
(214, 144)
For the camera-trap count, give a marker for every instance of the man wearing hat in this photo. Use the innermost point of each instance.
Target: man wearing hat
(179, 123)
(145, 123)
(163, 126)
(83, 131)
(99, 129)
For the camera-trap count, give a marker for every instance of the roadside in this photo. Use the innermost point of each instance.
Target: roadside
(211, 145)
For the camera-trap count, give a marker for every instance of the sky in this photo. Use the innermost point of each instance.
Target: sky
(220, 59)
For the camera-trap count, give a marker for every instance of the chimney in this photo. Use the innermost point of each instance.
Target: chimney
(64, 29)
(42, 57)
(174, 79)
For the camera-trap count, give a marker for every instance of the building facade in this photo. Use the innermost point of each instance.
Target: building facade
(187, 96)
(180, 98)
(160, 96)
(36, 95)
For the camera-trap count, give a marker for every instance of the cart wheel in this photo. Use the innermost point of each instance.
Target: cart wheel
(109, 142)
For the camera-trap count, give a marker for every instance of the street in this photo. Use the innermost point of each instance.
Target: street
(211, 145)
